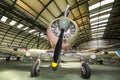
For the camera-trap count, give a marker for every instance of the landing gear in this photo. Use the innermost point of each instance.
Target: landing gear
(85, 71)
(35, 69)
(18, 58)
(8, 58)
(101, 61)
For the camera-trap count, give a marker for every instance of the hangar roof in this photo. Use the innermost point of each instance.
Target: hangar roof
(22, 21)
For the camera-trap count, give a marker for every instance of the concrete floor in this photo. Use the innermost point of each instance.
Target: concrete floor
(68, 71)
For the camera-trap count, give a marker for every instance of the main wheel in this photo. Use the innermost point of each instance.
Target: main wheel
(101, 61)
(18, 58)
(85, 71)
(8, 58)
(35, 69)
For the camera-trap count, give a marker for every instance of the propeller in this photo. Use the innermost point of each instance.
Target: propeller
(63, 25)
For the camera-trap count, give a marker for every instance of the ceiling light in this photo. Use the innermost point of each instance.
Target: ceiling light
(41, 34)
(26, 28)
(36, 33)
(12, 22)
(31, 31)
(4, 18)
(20, 26)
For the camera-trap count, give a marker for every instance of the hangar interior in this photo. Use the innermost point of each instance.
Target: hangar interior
(24, 24)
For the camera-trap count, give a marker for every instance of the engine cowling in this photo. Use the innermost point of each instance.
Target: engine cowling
(70, 33)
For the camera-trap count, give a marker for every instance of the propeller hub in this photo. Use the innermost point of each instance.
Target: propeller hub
(64, 23)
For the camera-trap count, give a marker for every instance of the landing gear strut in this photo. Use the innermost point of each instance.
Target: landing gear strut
(85, 71)
(35, 68)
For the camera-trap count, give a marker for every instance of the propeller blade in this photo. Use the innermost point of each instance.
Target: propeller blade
(58, 46)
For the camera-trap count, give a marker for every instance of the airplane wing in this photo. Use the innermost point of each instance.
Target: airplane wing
(21, 52)
(6, 51)
(102, 55)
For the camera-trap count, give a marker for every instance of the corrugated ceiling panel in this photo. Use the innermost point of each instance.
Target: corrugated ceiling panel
(34, 4)
(79, 21)
(45, 2)
(83, 9)
(53, 8)
(42, 19)
(47, 15)
(71, 16)
(62, 4)
(20, 3)
(71, 2)
(75, 12)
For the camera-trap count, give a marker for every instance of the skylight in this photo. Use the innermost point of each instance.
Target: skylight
(104, 16)
(31, 31)
(100, 33)
(97, 35)
(20, 26)
(102, 3)
(99, 17)
(99, 22)
(94, 6)
(4, 18)
(12, 22)
(26, 28)
(98, 29)
(91, 15)
(94, 19)
(99, 25)
(106, 10)
(102, 24)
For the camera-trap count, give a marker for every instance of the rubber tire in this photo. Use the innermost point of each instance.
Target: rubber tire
(101, 61)
(8, 58)
(34, 71)
(18, 59)
(87, 73)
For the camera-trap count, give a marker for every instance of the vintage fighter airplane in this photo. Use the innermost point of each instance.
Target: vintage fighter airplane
(61, 33)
